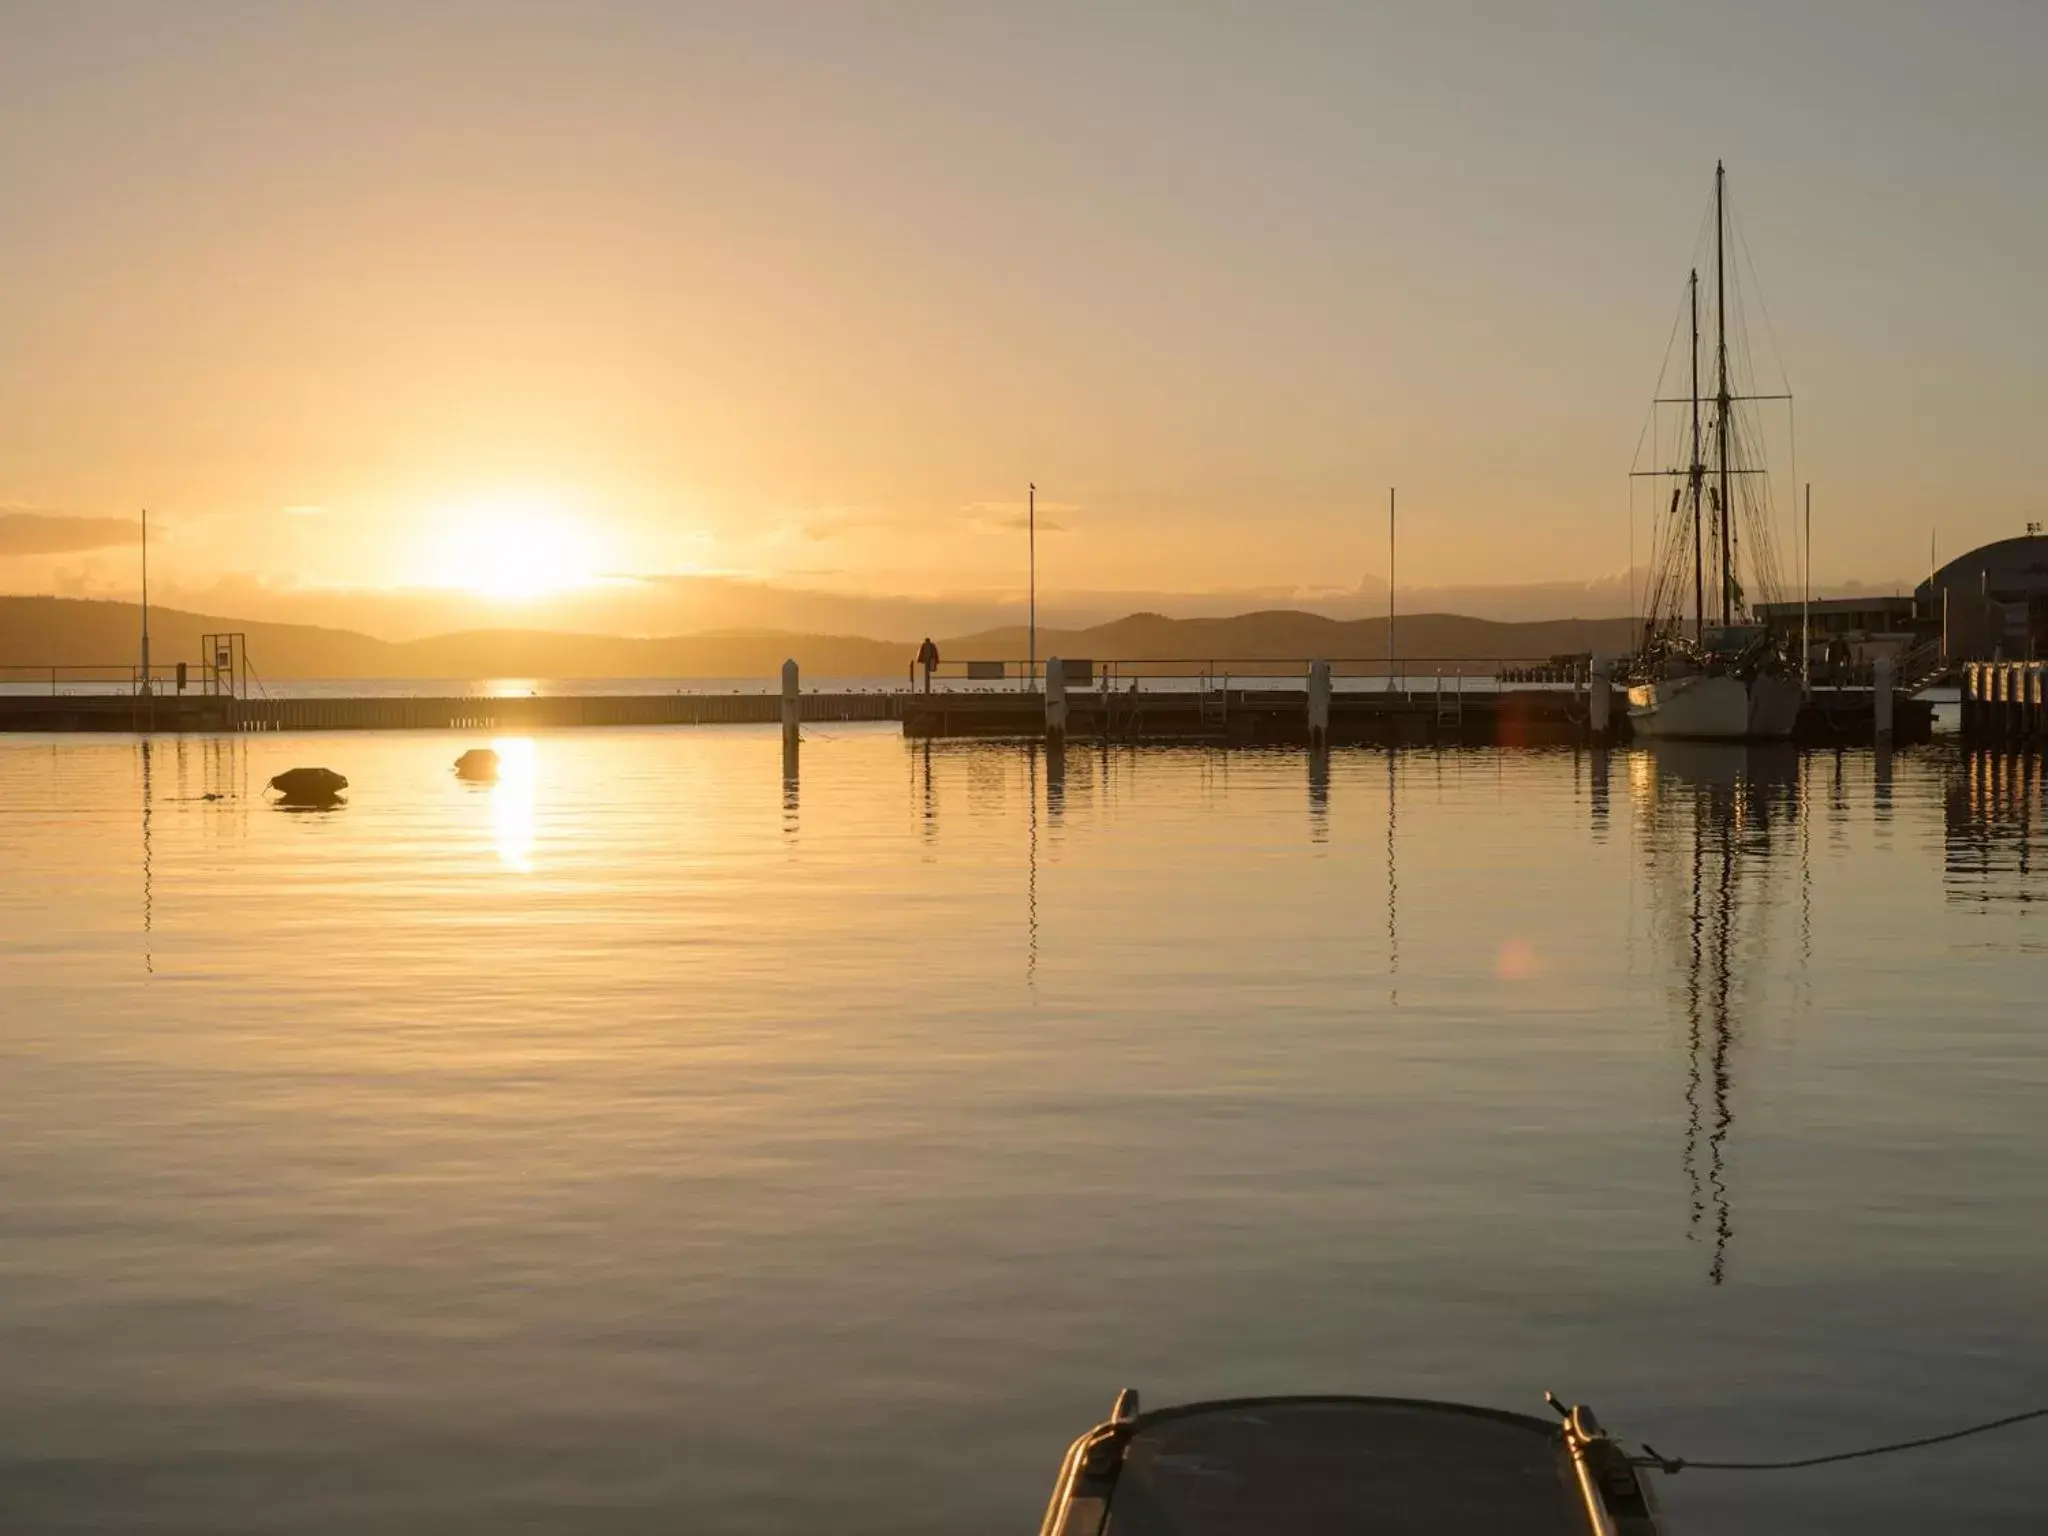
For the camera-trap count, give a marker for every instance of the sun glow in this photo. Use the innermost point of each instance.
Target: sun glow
(512, 549)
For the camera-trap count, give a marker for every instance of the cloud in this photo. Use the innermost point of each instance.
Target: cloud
(1018, 522)
(1009, 517)
(305, 511)
(837, 522)
(39, 533)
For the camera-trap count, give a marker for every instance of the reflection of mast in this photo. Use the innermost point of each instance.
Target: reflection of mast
(1695, 931)
(1393, 894)
(1724, 922)
(1709, 982)
(148, 874)
(1031, 870)
(1708, 827)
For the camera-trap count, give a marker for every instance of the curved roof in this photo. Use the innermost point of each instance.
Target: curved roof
(2009, 568)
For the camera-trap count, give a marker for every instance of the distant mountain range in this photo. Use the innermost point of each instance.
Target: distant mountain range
(41, 632)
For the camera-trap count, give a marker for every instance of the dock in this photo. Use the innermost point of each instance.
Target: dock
(1254, 716)
(1251, 715)
(2004, 702)
(227, 713)
(1256, 712)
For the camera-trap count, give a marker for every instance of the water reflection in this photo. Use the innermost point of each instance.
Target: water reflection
(512, 803)
(1031, 869)
(1991, 815)
(732, 1133)
(930, 818)
(1710, 816)
(1319, 794)
(1393, 888)
(148, 868)
(791, 780)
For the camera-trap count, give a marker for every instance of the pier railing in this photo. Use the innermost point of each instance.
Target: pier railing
(1405, 673)
(107, 678)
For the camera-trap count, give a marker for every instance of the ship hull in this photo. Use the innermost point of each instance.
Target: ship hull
(1715, 708)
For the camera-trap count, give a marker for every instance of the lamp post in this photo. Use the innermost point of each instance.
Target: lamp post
(145, 600)
(1390, 589)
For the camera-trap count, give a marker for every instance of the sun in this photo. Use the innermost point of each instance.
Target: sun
(512, 549)
(524, 557)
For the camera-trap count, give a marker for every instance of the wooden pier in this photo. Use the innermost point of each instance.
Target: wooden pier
(1256, 716)
(223, 712)
(2004, 702)
(1253, 713)
(1428, 716)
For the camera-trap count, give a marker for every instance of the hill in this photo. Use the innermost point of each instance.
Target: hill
(53, 631)
(1287, 634)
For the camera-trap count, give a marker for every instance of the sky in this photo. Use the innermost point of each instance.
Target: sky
(514, 299)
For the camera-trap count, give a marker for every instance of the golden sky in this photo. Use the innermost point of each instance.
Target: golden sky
(509, 296)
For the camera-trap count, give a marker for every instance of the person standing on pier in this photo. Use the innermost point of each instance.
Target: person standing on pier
(928, 658)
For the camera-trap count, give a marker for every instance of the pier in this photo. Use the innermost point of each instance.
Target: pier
(1249, 715)
(2004, 702)
(458, 712)
(1280, 704)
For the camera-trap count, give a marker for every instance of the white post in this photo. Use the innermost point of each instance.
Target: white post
(1600, 696)
(1881, 696)
(1318, 704)
(789, 701)
(1055, 700)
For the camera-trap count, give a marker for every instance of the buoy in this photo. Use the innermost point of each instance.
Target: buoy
(309, 785)
(477, 763)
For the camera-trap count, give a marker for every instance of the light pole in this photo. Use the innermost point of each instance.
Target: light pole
(145, 600)
(1031, 522)
(1390, 589)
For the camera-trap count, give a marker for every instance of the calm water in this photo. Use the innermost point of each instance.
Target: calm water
(675, 1138)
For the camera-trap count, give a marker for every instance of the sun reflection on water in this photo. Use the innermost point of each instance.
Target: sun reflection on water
(512, 802)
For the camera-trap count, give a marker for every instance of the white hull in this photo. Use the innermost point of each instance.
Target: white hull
(1708, 708)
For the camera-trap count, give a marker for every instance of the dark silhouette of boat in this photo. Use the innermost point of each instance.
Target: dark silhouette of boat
(1317, 1466)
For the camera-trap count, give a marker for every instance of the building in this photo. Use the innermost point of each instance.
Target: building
(1992, 603)
(1854, 630)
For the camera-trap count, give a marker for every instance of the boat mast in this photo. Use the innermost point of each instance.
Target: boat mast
(1695, 476)
(1721, 387)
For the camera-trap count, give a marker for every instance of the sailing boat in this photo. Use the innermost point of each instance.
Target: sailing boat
(1729, 678)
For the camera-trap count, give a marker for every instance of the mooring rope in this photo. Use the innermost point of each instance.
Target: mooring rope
(1675, 1464)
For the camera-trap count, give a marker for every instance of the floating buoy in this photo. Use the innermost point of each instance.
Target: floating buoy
(309, 786)
(478, 763)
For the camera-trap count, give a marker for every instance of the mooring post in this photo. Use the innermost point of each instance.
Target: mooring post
(1600, 697)
(1055, 701)
(1318, 705)
(789, 697)
(1881, 697)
